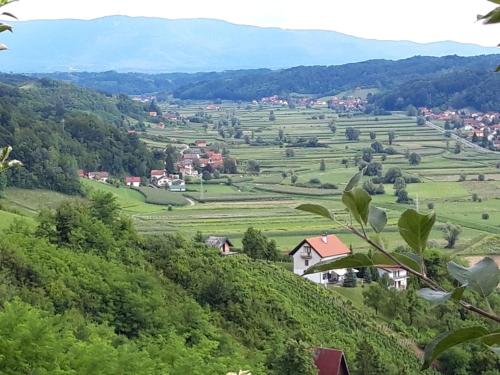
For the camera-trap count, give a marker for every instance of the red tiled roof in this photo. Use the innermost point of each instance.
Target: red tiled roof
(333, 246)
(330, 362)
(157, 172)
(132, 179)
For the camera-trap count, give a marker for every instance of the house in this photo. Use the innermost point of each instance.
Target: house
(157, 173)
(201, 143)
(330, 362)
(317, 249)
(99, 176)
(161, 181)
(133, 181)
(178, 185)
(397, 275)
(188, 170)
(153, 114)
(221, 243)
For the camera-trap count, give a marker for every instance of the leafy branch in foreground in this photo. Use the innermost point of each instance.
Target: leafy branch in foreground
(5, 163)
(414, 228)
(3, 26)
(492, 17)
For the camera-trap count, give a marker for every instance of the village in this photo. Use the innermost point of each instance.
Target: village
(480, 128)
(192, 160)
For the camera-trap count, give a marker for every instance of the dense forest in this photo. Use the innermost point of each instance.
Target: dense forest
(450, 81)
(56, 128)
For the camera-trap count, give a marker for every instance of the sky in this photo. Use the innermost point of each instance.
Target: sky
(416, 20)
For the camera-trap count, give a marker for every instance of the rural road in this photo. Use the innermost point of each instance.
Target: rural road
(462, 140)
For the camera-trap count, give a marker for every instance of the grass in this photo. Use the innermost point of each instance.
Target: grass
(162, 197)
(355, 295)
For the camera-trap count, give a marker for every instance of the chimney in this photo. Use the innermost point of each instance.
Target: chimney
(324, 237)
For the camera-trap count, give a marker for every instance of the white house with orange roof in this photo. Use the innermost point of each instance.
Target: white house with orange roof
(313, 250)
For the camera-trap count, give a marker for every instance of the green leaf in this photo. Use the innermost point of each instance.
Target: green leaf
(483, 277)
(315, 209)
(357, 201)
(449, 339)
(351, 261)
(354, 181)
(492, 339)
(434, 297)
(377, 218)
(412, 261)
(415, 228)
(4, 27)
(458, 292)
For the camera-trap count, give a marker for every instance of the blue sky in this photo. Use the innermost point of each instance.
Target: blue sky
(416, 20)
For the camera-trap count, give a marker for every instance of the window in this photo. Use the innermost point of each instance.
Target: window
(307, 262)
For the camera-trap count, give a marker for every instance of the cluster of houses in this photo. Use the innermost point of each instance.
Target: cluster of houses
(199, 156)
(160, 178)
(347, 104)
(470, 123)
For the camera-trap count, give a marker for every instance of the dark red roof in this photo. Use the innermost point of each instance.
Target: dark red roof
(330, 362)
(132, 179)
(331, 247)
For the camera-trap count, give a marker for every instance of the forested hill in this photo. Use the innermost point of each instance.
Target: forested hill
(450, 80)
(85, 292)
(56, 128)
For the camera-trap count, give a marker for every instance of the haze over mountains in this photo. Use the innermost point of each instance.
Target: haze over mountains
(141, 44)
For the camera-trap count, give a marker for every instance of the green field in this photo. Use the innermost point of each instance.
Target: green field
(267, 201)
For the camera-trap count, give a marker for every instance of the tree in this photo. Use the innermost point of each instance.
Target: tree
(373, 169)
(374, 296)
(281, 134)
(350, 279)
(171, 159)
(272, 116)
(230, 166)
(253, 166)
(414, 158)
(399, 184)
(289, 153)
(403, 196)
(257, 246)
(458, 148)
(294, 178)
(451, 234)
(480, 177)
(322, 165)
(377, 147)
(421, 121)
(352, 134)
(367, 155)
(104, 207)
(296, 359)
(475, 138)
(411, 111)
(373, 135)
(368, 361)
(392, 136)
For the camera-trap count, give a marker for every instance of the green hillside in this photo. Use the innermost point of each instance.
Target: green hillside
(85, 294)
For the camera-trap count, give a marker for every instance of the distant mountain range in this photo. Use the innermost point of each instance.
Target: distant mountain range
(151, 45)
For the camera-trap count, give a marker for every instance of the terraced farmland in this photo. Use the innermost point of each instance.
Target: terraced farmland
(267, 201)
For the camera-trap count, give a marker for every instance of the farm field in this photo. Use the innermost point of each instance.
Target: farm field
(267, 201)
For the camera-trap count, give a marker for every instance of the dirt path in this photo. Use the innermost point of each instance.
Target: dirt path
(474, 259)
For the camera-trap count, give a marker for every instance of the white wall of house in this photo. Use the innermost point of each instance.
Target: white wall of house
(134, 184)
(399, 277)
(302, 263)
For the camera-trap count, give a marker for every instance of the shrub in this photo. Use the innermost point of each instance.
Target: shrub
(480, 177)
(475, 197)
(485, 216)
(315, 181)
(430, 206)
(462, 177)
